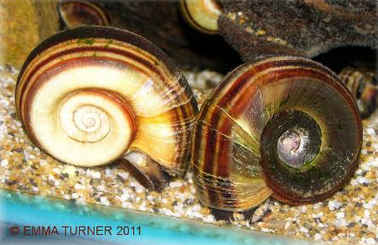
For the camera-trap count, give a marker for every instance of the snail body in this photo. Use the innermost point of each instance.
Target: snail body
(275, 127)
(91, 95)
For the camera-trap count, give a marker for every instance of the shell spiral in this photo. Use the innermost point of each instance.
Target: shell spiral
(283, 125)
(90, 95)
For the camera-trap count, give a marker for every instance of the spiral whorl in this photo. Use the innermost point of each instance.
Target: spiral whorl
(90, 95)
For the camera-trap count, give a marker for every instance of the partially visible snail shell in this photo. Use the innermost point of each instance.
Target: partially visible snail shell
(91, 95)
(201, 14)
(75, 13)
(363, 86)
(285, 125)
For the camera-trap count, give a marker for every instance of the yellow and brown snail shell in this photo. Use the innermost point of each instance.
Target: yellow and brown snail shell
(201, 14)
(91, 95)
(361, 82)
(283, 125)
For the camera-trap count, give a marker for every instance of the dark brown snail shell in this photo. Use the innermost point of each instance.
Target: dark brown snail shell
(89, 96)
(285, 125)
(74, 13)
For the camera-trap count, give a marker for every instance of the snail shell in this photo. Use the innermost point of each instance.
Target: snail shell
(362, 84)
(75, 13)
(201, 14)
(91, 95)
(285, 125)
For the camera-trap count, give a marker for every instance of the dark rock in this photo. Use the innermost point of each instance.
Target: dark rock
(303, 28)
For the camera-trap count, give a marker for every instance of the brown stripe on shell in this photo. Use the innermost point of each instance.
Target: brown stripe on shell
(119, 52)
(107, 33)
(31, 80)
(83, 33)
(94, 49)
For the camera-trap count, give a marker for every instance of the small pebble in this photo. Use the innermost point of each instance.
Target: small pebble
(370, 241)
(362, 180)
(104, 201)
(318, 236)
(70, 170)
(370, 131)
(302, 229)
(93, 174)
(125, 197)
(340, 215)
(332, 205)
(4, 163)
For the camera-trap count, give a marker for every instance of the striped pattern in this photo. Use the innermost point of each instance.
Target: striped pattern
(75, 13)
(154, 89)
(362, 83)
(356, 79)
(226, 155)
